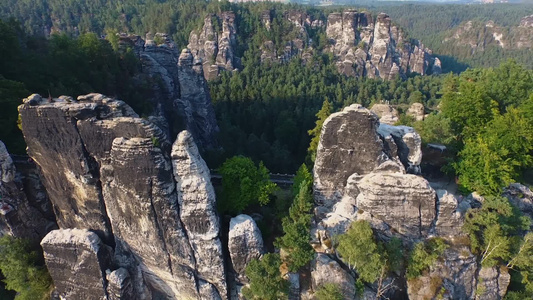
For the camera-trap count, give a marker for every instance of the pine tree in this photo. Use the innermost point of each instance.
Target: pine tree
(322, 115)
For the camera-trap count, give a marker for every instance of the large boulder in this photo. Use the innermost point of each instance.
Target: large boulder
(405, 202)
(452, 277)
(451, 212)
(386, 113)
(77, 260)
(245, 243)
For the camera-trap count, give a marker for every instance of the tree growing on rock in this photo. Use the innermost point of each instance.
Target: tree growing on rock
(322, 115)
(244, 184)
(266, 282)
(296, 229)
(371, 259)
(496, 232)
(424, 255)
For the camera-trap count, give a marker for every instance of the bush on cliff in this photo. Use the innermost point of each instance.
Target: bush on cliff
(22, 270)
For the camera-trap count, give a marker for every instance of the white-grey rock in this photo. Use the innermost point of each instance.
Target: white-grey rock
(197, 202)
(409, 145)
(326, 270)
(386, 113)
(77, 260)
(245, 243)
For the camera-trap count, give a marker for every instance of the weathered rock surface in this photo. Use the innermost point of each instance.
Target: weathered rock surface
(178, 91)
(110, 171)
(119, 285)
(197, 202)
(77, 260)
(349, 143)
(326, 270)
(377, 49)
(25, 211)
(451, 212)
(386, 113)
(245, 243)
(520, 196)
(416, 110)
(492, 283)
(454, 276)
(405, 202)
(213, 49)
(408, 145)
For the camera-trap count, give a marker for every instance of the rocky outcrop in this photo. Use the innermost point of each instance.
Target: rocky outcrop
(25, 211)
(377, 49)
(198, 214)
(479, 36)
(245, 243)
(452, 277)
(77, 260)
(109, 171)
(386, 113)
(178, 92)
(492, 283)
(451, 212)
(354, 142)
(215, 49)
(326, 270)
(407, 145)
(405, 202)
(348, 138)
(416, 110)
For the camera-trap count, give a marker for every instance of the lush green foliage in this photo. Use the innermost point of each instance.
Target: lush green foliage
(22, 270)
(265, 112)
(302, 175)
(371, 259)
(266, 282)
(329, 291)
(489, 113)
(296, 229)
(494, 228)
(322, 115)
(423, 255)
(244, 184)
(60, 66)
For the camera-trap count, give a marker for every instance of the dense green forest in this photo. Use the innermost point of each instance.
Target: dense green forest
(430, 23)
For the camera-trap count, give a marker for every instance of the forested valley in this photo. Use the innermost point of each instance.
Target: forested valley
(270, 115)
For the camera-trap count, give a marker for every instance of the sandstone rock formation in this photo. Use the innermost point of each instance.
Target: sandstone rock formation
(245, 243)
(353, 142)
(213, 49)
(361, 45)
(416, 110)
(326, 270)
(386, 113)
(25, 210)
(197, 202)
(451, 211)
(77, 260)
(377, 49)
(179, 94)
(406, 202)
(455, 275)
(109, 171)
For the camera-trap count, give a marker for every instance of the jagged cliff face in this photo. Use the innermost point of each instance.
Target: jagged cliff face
(180, 96)
(376, 49)
(366, 170)
(108, 171)
(478, 36)
(361, 45)
(25, 210)
(212, 49)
